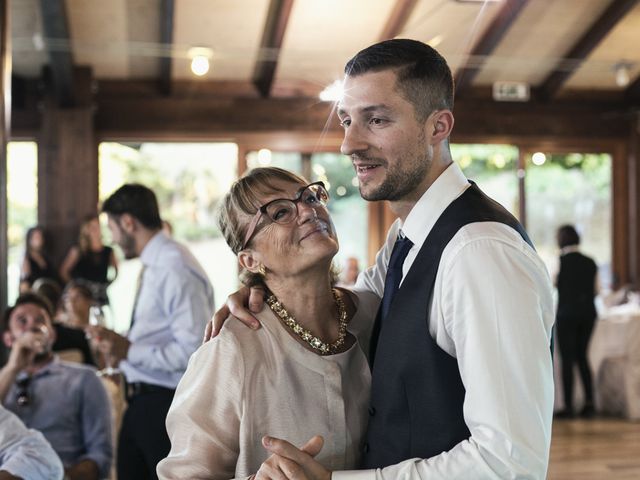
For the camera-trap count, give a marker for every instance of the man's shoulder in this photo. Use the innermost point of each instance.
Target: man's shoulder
(489, 231)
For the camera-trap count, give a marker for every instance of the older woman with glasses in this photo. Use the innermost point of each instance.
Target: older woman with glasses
(303, 373)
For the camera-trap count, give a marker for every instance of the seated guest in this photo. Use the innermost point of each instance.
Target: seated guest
(25, 453)
(71, 343)
(304, 372)
(64, 401)
(76, 304)
(36, 263)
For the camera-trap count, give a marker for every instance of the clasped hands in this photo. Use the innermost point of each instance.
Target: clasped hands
(290, 463)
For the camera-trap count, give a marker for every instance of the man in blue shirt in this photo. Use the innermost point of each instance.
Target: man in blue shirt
(173, 303)
(66, 402)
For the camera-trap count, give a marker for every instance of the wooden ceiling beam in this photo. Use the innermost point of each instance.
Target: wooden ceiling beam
(170, 118)
(633, 90)
(167, 9)
(590, 39)
(490, 39)
(397, 19)
(58, 46)
(272, 37)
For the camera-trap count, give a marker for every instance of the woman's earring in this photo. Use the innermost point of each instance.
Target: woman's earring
(262, 270)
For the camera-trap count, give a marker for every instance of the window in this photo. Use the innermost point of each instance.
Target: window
(22, 206)
(189, 179)
(575, 189)
(493, 168)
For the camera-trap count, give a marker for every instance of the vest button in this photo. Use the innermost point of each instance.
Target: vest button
(372, 411)
(366, 448)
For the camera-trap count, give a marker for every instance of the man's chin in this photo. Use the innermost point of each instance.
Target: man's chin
(42, 357)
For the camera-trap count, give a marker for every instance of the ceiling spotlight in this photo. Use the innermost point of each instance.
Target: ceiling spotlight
(621, 70)
(200, 60)
(538, 158)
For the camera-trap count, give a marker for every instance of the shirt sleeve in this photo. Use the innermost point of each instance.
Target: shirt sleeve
(186, 302)
(203, 422)
(25, 453)
(501, 338)
(96, 423)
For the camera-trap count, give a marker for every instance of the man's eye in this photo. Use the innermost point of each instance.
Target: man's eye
(345, 123)
(376, 121)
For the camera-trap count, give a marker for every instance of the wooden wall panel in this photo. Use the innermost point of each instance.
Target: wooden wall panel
(67, 175)
(5, 123)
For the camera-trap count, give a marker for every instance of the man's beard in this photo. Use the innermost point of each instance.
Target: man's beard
(128, 245)
(404, 176)
(399, 181)
(42, 356)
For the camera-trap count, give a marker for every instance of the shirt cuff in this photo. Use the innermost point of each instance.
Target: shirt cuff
(354, 475)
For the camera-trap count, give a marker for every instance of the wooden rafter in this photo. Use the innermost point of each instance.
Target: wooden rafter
(397, 19)
(633, 90)
(58, 45)
(272, 37)
(492, 36)
(585, 45)
(166, 39)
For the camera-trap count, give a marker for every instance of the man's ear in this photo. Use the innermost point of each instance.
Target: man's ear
(7, 338)
(440, 125)
(127, 223)
(249, 261)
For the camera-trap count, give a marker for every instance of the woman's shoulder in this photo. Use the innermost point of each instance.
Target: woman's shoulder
(235, 338)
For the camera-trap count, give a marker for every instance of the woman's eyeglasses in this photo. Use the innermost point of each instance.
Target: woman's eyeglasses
(285, 210)
(23, 398)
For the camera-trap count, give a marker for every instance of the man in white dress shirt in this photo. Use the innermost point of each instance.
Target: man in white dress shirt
(462, 382)
(24, 453)
(173, 302)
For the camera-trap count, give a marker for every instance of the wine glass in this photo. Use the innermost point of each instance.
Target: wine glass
(97, 319)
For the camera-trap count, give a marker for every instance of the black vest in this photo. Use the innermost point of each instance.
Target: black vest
(417, 393)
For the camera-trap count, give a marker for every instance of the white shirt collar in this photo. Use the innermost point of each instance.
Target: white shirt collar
(153, 248)
(447, 187)
(569, 249)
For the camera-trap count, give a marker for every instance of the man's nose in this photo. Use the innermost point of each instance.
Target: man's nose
(354, 141)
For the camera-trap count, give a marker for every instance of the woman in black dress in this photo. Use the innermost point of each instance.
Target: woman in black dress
(36, 263)
(576, 316)
(89, 261)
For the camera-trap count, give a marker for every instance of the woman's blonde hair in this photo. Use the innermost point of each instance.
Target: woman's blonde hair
(84, 239)
(242, 202)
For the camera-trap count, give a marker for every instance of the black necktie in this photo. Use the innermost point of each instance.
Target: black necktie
(391, 284)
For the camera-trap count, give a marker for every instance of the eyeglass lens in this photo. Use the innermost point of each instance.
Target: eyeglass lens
(285, 211)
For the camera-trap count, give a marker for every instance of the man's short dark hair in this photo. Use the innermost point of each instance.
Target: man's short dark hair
(28, 298)
(138, 201)
(568, 236)
(424, 78)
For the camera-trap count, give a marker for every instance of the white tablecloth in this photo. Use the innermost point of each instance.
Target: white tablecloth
(614, 355)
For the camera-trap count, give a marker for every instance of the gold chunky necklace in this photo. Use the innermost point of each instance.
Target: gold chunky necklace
(308, 337)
